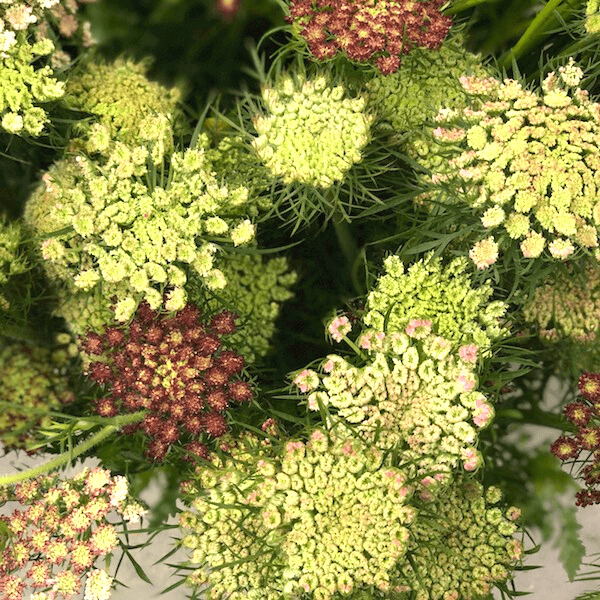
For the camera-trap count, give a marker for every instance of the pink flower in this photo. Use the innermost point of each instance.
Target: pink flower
(339, 328)
(328, 366)
(468, 353)
(471, 459)
(466, 381)
(306, 380)
(483, 413)
(418, 328)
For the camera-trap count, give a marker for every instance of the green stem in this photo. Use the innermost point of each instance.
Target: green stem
(538, 417)
(348, 246)
(460, 6)
(67, 457)
(534, 27)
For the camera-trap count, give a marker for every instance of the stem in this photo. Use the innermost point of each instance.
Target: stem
(534, 27)
(348, 246)
(460, 6)
(67, 457)
(539, 417)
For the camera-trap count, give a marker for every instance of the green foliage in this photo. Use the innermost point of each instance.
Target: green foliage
(572, 550)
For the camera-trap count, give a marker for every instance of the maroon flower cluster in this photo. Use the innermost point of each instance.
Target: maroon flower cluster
(585, 416)
(379, 30)
(174, 367)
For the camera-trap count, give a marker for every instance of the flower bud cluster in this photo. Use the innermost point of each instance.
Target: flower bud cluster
(415, 393)
(567, 306)
(60, 533)
(320, 518)
(469, 547)
(111, 228)
(174, 367)
(592, 17)
(441, 293)
(255, 289)
(11, 261)
(312, 133)
(585, 415)
(25, 83)
(367, 31)
(525, 161)
(128, 106)
(427, 80)
(33, 381)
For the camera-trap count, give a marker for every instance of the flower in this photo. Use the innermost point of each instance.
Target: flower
(312, 133)
(307, 523)
(484, 253)
(33, 377)
(339, 328)
(532, 154)
(440, 294)
(174, 367)
(378, 33)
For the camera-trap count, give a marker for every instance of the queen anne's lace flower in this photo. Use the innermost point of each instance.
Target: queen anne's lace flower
(320, 518)
(312, 132)
(113, 228)
(60, 532)
(378, 32)
(470, 548)
(415, 392)
(443, 294)
(33, 379)
(592, 16)
(129, 107)
(534, 155)
(427, 80)
(567, 306)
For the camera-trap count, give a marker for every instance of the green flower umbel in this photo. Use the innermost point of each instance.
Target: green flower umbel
(128, 106)
(121, 230)
(524, 161)
(592, 16)
(312, 132)
(445, 295)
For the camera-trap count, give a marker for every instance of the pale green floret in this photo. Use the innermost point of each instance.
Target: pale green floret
(129, 107)
(442, 294)
(466, 551)
(109, 228)
(535, 155)
(415, 395)
(592, 13)
(312, 132)
(32, 378)
(426, 81)
(567, 306)
(11, 260)
(336, 524)
(24, 85)
(256, 287)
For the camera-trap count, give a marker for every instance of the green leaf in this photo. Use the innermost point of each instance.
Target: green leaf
(589, 596)
(572, 550)
(137, 567)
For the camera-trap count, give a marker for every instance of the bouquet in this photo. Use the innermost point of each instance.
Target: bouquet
(314, 264)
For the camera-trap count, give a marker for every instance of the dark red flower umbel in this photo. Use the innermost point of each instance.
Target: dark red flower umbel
(174, 366)
(585, 416)
(380, 31)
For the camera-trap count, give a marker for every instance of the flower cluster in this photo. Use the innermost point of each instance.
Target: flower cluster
(441, 293)
(11, 261)
(415, 392)
(255, 289)
(24, 85)
(466, 548)
(313, 133)
(525, 161)
(33, 381)
(55, 541)
(174, 367)
(428, 80)
(592, 16)
(567, 306)
(114, 227)
(368, 31)
(128, 106)
(322, 517)
(585, 415)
